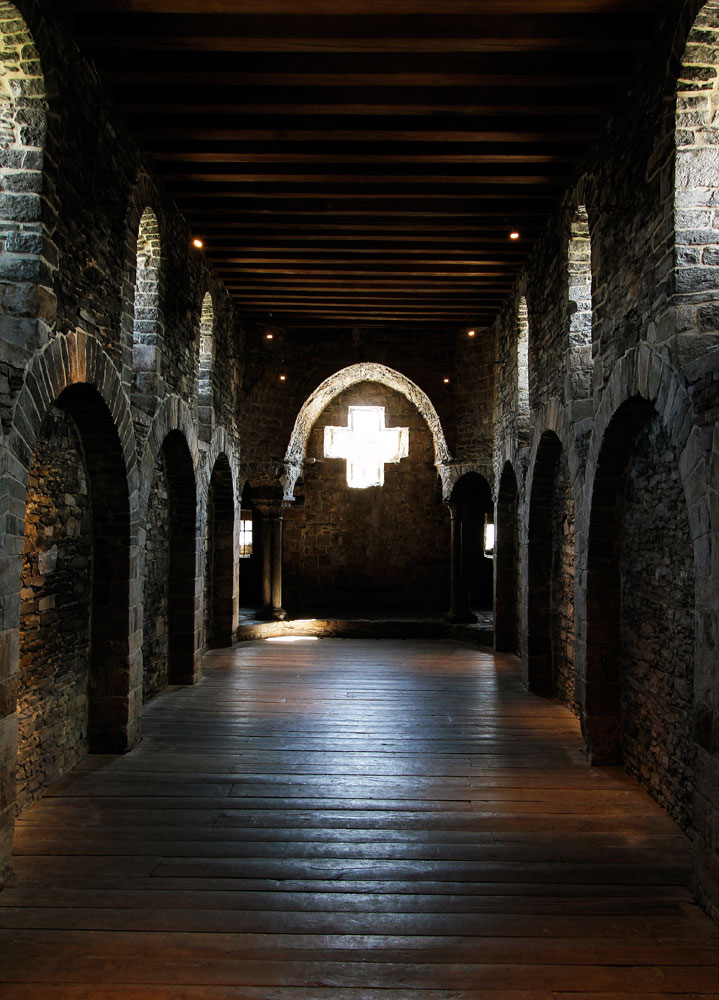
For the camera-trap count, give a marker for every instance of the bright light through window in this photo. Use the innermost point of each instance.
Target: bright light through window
(489, 538)
(367, 445)
(245, 534)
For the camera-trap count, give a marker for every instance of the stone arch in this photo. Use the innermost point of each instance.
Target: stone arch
(206, 363)
(471, 505)
(506, 563)
(75, 371)
(333, 386)
(523, 407)
(220, 567)
(171, 578)
(579, 306)
(643, 386)
(28, 263)
(548, 607)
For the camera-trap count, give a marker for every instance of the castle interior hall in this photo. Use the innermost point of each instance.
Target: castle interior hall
(359, 496)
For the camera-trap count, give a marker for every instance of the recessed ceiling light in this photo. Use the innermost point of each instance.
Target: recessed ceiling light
(445, 380)
(198, 243)
(283, 378)
(514, 235)
(269, 336)
(471, 333)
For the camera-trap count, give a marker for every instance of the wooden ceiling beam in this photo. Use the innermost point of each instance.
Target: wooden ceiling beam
(194, 81)
(446, 8)
(537, 131)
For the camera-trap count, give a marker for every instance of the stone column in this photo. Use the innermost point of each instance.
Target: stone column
(461, 556)
(272, 609)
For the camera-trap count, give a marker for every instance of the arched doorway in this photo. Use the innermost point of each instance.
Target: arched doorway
(250, 552)
(169, 634)
(550, 575)
(74, 607)
(506, 563)
(640, 610)
(472, 511)
(379, 548)
(219, 570)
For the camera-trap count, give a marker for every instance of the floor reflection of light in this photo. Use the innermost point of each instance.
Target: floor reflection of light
(293, 638)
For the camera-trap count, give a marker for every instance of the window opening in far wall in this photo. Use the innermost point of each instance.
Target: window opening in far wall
(367, 445)
(245, 534)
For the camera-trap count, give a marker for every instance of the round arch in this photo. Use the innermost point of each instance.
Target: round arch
(333, 386)
(75, 367)
(642, 383)
(553, 449)
(506, 563)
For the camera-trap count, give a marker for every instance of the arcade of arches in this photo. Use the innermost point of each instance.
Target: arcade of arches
(550, 489)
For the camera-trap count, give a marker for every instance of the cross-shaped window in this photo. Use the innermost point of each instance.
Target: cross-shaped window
(367, 445)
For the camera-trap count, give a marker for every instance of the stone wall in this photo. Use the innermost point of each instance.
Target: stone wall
(562, 600)
(269, 406)
(377, 550)
(658, 626)
(156, 584)
(55, 612)
(647, 186)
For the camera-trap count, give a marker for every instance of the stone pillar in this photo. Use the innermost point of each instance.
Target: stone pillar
(272, 609)
(461, 556)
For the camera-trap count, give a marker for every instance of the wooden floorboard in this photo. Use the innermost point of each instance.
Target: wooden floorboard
(353, 820)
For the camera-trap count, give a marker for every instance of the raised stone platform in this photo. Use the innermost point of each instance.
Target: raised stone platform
(367, 627)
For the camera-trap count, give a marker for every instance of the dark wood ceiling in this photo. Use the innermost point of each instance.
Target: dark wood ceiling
(352, 163)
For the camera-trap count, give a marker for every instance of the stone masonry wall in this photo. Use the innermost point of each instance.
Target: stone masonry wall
(380, 549)
(55, 612)
(156, 584)
(563, 536)
(658, 627)
(269, 406)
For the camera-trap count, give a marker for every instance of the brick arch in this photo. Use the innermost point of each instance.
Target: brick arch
(642, 385)
(333, 386)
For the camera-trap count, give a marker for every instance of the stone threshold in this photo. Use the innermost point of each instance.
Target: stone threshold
(480, 633)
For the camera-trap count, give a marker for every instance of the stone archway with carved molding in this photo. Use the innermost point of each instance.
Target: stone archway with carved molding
(337, 383)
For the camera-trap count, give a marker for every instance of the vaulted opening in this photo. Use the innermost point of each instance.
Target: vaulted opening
(380, 549)
(73, 682)
(169, 640)
(219, 571)
(640, 610)
(550, 568)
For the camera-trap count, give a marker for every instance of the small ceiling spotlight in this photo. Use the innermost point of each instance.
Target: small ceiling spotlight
(269, 336)
(283, 378)
(446, 381)
(514, 234)
(471, 333)
(198, 243)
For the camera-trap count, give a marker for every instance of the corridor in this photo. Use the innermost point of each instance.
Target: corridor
(352, 820)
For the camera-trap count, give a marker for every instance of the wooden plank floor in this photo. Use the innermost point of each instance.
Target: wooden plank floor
(353, 820)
